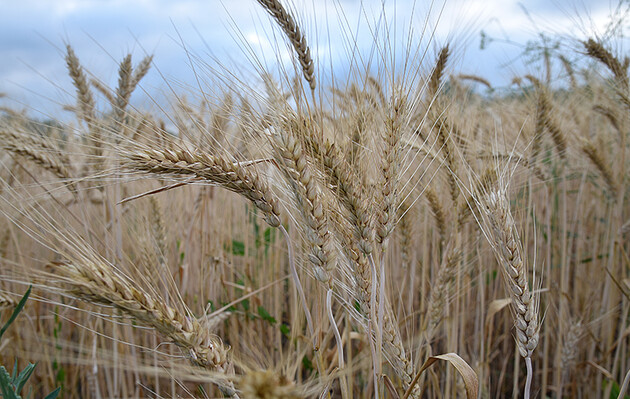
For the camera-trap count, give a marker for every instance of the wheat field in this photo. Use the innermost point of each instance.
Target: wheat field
(409, 232)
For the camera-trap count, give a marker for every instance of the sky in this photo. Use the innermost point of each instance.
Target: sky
(197, 42)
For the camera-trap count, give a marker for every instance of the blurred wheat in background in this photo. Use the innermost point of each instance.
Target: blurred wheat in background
(293, 235)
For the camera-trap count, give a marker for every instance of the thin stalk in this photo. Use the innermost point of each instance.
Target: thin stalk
(342, 378)
(378, 332)
(528, 381)
(298, 286)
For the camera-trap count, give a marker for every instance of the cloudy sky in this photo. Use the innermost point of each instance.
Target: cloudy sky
(191, 36)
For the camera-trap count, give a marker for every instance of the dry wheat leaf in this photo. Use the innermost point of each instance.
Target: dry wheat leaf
(468, 374)
(496, 306)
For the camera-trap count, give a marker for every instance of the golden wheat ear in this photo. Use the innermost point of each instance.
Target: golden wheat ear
(204, 167)
(498, 225)
(291, 29)
(98, 282)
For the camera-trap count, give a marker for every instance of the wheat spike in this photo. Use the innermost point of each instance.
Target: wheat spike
(84, 95)
(215, 169)
(306, 190)
(596, 50)
(438, 72)
(287, 23)
(508, 250)
(38, 150)
(602, 166)
(390, 165)
(98, 282)
(124, 89)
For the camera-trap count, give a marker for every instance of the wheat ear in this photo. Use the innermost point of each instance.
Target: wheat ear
(350, 193)
(602, 166)
(287, 23)
(140, 71)
(475, 78)
(215, 169)
(501, 231)
(596, 50)
(98, 282)
(440, 291)
(544, 120)
(104, 90)
(386, 212)
(299, 174)
(265, 384)
(38, 150)
(124, 89)
(438, 213)
(438, 71)
(79, 79)
(610, 115)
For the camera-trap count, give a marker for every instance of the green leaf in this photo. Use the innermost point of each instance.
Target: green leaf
(61, 376)
(285, 330)
(262, 312)
(307, 364)
(15, 369)
(23, 377)
(5, 385)
(269, 237)
(16, 311)
(238, 248)
(615, 390)
(53, 394)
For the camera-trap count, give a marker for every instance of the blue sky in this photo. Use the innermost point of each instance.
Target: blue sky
(33, 34)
